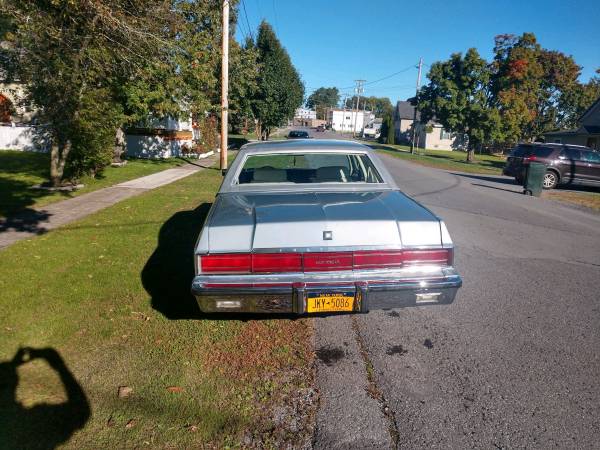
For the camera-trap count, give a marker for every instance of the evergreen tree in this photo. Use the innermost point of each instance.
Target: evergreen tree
(280, 90)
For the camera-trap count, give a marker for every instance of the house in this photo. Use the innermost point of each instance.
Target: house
(305, 113)
(305, 117)
(17, 122)
(161, 138)
(431, 135)
(587, 134)
(347, 120)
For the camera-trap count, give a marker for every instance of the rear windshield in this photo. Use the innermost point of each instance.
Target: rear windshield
(528, 150)
(309, 168)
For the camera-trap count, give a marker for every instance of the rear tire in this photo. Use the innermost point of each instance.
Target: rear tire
(550, 180)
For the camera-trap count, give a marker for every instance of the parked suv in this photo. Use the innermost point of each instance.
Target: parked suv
(565, 164)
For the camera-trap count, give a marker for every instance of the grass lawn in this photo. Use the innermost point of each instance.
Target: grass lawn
(441, 159)
(19, 171)
(104, 303)
(589, 199)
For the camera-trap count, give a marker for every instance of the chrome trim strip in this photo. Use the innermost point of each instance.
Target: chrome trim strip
(318, 249)
(349, 276)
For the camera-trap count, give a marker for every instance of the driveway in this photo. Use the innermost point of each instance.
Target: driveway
(514, 362)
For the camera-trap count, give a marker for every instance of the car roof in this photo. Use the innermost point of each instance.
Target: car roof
(305, 144)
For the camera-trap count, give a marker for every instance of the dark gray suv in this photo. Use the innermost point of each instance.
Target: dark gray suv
(565, 164)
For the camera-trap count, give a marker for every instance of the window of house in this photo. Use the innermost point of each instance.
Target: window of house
(445, 134)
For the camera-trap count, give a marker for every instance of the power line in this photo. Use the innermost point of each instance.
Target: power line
(406, 69)
(392, 75)
(247, 21)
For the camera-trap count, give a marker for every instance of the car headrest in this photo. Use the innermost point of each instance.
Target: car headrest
(269, 175)
(332, 173)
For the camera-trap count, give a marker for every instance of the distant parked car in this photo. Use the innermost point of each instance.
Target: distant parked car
(319, 226)
(321, 128)
(565, 164)
(297, 134)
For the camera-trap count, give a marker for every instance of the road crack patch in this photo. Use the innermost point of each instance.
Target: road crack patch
(373, 389)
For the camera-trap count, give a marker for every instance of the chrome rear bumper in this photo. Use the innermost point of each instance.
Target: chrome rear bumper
(287, 292)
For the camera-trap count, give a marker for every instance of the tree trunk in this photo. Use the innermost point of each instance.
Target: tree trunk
(258, 129)
(470, 154)
(58, 158)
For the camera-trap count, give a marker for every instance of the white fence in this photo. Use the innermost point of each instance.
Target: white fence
(14, 137)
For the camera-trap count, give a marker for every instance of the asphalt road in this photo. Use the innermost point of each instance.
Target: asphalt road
(514, 362)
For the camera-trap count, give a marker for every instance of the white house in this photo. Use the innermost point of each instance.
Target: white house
(17, 129)
(305, 113)
(161, 138)
(431, 135)
(347, 120)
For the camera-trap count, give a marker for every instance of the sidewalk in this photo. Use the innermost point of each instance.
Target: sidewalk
(41, 220)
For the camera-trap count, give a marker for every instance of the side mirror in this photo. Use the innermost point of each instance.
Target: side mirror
(223, 172)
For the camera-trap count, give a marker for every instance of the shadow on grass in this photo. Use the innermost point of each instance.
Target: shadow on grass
(43, 425)
(16, 199)
(168, 273)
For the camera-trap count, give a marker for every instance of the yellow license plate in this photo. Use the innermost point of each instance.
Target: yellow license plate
(330, 302)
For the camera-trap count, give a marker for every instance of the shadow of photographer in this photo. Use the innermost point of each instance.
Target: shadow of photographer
(42, 426)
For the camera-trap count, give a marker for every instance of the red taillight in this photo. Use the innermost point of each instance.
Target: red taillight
(321, 261)
(529, 158)
(315, 262)
(378, 259)
(226, 263)
(277, 262)
(443, 256)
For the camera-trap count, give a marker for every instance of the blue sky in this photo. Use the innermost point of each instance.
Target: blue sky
(334, 42)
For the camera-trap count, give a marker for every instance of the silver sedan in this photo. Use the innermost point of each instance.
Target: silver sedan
(313, 226)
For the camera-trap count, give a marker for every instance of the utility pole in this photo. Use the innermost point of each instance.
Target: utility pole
(359, 90)
(224, 84)
(414, 132)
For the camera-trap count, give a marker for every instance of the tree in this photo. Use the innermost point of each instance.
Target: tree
(323, 98)
(574, 102)
(387, 134)
(380, 106)
(280, 90)
(458, 96)
(536, 89)
(73, 58)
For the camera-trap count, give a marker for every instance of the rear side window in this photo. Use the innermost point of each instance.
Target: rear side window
(572, 153)
(528, 150)
(593, 157)
(309, 168)
(543, 152)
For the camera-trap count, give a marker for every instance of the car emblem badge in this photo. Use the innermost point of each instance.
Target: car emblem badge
(327, 235)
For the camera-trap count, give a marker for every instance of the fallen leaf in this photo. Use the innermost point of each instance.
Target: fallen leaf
(175, 389)
(130, 423)
(110, 422)
(125, 391)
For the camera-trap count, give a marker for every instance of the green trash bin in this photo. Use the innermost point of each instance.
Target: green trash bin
(534, 179)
